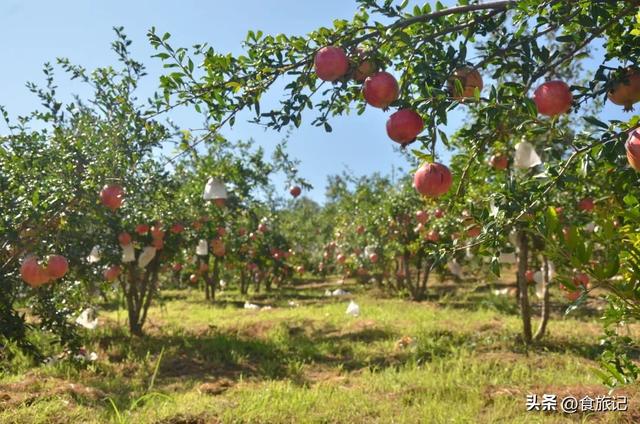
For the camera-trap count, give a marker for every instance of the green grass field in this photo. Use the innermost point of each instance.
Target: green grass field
(457, 359)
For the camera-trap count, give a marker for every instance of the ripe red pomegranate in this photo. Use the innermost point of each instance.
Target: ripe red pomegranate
(404, 126)
(422, 216)
(474, 231)
(341, 258)
(57, 266)
(373, 258)
(432, 179)
(158, 243)
(433, 236)
(499, 162)
(111, 196)
(586, 204)
(197, 225)
(193, 278)
(33, 273)
(559, 210)
(111, 273)
(469, 78)
(331, 63)
(177, 228)
(124, 238)
(177, 267)
(632, 147)
(528, 275)
(553, 98)
(295, 191)
(300, 269)
(142, 229)
(218, 248)
(380, 90)
(364, 67)
(157, 232)
(581, 279)
(221, 231)
(262, 228)
(627, 91)
(438, 213)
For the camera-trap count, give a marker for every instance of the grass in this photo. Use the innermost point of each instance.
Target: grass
(459, 360)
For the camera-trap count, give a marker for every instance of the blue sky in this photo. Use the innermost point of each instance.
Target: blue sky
(40, 30)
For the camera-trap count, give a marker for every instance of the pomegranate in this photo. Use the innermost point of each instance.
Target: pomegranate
(404, 126)
(204, 267)
(581, 279)
(553, 98)
(142, 229)
(632, 147)
(124, 238)
(177, 267)
(57, 266)
(331, 63)
(422, 217)
(242, 231)
(197, 225)
(111, 196)
(33, 273)
(364, 67)
(433, 236)
(219, 202)
(432, 179)
(360, 229)
(111, 273)
(528, 275)
(262, 228)
(158, 243)
(469, 78)
(474, 231)
(157, 232)
(438, 213)
(221, 231)
(193, 278)
(559, 210)
(373, 258)
(295, 191)
(499, 162)
(341, 258)
(218, 248)
(586, 204)
(627, 91)
(177, 228)
(380, 90)
(300, 269)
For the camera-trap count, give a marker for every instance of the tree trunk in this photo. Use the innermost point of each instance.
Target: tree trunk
(525, 311)
(544, 317)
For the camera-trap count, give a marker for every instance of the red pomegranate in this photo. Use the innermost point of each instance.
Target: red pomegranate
(433, 236)
(632, 147)
(380, 90)
(124, 238)
(242, 231)
(422, 216)
(177, 228)
(553, 98)
(627, 91)
(474, 231)
(300, 269)
(331, 63)
(581, 279)
(111, 196)
(262, 228)
(439, 213)
(528, 275)
(111, 273)
(341, 258)
(499, 162)
(193, 278)
(221, 231)
(158, 243)
(295, 191)
(33, 273)
(404, 126)
(157, 232)
(586, 204)
(373, 258)
(360, 229)
(364, 67)
(57, 266)
(218, 248)
(432, 179)
(220, 202)
(559, 210)
(197, 225)
(469, 78)
(177, 267)
(142, 229)
(204, 267)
